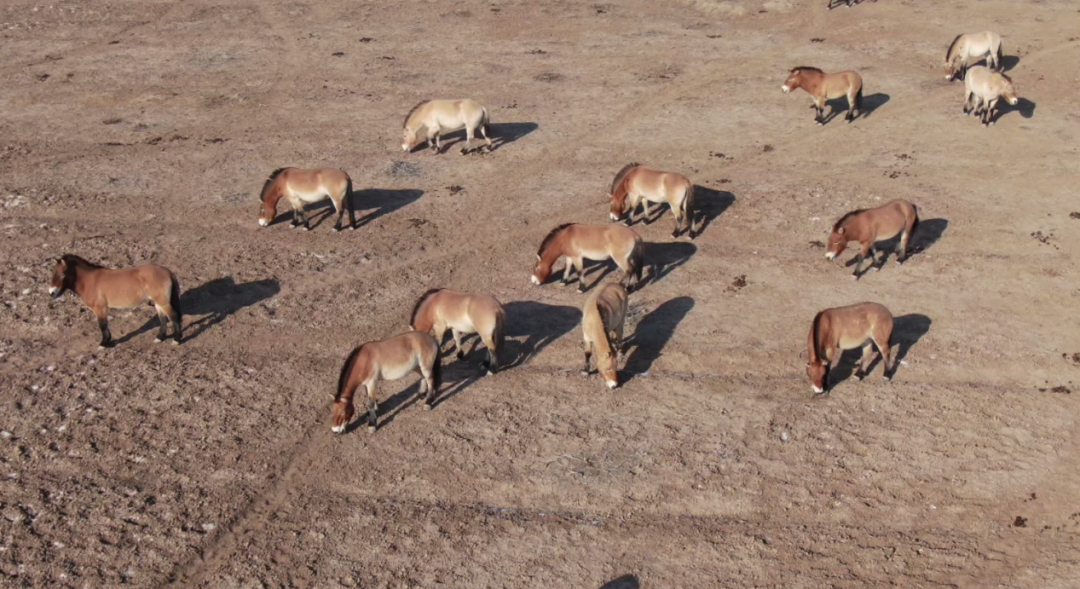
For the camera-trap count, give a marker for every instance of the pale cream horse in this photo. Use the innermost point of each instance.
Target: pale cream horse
(970, 48)
(982, 90)
(439, 117)
(602, 322)
(440, 309)
(299, 187)
(635, 184)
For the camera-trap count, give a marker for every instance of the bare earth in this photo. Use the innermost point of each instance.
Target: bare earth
(141, 131)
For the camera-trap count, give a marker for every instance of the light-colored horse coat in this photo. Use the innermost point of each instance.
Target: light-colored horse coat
(440, 309)
(102, 289)
(603, 316)
(869, 226)
(390, 359)
(589, 242)
(863, 325)
(439, 117)
(982, 90)
(300, 187)
(635, 184)
(971, 48)
(822, 86)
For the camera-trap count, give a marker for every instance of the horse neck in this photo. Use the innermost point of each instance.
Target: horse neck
(275, 191)
(812, 82)
(556, 249)
(424, 319)
(620, 192)
(81, 276)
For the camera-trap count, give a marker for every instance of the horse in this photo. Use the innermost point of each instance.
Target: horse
(849, 3)
(602, 326)
(824, 87)
(103, 288)
(300, 187)
(863, 325)
(638, 183)
(441, 309)
(589, 242)
(972, 48)
(869, 226)
(390, 359)
(445, 116)
(987, 87)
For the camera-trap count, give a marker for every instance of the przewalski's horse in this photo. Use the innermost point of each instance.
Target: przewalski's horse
(982, 90)
(440, 309)
(444, 116)
(971, 48)
(869, 226)
(390, 359)
(102, 289)
(635, 184)
(589, 242)
(822, 87)
(864, 325)
(299, 187)
(602, 326)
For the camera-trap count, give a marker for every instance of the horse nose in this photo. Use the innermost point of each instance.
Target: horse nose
(817, 389)
(612, 384)
(785, 88)
(829, 255)
(535, 280)
(337, 429)
(262, 223)
(53, 291)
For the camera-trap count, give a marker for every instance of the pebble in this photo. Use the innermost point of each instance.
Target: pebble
(784, 436)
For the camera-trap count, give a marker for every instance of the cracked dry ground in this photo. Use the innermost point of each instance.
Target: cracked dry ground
(142, 131)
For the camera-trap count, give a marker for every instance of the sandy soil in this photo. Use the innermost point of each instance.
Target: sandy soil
(141, 131)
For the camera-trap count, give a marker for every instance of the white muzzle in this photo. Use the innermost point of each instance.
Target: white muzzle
(535, 280)
(338, 429)
(53, 290)
(817, 390)
(612, 384)
(785, 88)
(613, 216)
(829, 255)
(263, 223)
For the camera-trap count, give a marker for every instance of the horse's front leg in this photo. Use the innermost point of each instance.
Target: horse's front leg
(567, 271)
(468, 140)
(648, 212)
(863, 251)
(457, 343)
(580, 263)
(819, 107)
(102, 314)
(373, 407)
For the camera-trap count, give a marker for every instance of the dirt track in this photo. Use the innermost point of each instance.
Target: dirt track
(142, 131)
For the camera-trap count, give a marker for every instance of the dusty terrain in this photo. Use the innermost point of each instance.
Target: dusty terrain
(135, 131)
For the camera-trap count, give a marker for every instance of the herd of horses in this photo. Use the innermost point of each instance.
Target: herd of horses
(866, 325)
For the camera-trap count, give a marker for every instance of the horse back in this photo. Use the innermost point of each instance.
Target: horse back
(851, 326)
(307, 181)
(127, 287)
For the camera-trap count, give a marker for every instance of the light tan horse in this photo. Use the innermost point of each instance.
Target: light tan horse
(602, 326)
(635, 184)
(299, 187)
(439, 117)
(441, 309)
(971, 48)
(390, 359)
(589, 242)
(864, 325)
(822, 87)
(982, 90)
(102, 289)
(869, 226)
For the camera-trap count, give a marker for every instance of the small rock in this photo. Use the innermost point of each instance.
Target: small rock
(784, 436)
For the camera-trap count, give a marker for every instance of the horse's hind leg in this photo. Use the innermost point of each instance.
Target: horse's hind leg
(492, 363)
(457, 343)
(864, 362)
(483, 131)
(103, 324)
(163, 323)
(373, 407)
(468, 140)
(881, 340)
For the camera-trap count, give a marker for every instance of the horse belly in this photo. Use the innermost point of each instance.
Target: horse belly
(399, 371)
(311, 196)
(449, 122)
(852, 343)
(126, 300)
(595, 254)
(462, 325)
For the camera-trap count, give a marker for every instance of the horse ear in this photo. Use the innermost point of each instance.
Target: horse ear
(538, 258)
(803, 355)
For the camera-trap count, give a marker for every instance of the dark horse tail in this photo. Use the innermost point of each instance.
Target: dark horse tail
(689, 209)
(858, 100)
(436, 374)
(915, 223)
(1000, 66)
(485, 120)
(349, 201)
(498, 335)
(174, 297)
(637, 261)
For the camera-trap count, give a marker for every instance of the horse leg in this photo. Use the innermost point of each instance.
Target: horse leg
(646, 213)
(967, 108)
(492, 363)
(864, 362)
(483, 131)
(886, 352)
(580, 263)
(457, 343)
(819, 105)
(902, 247)
(567, 271)
(992, 112)
(339, 204)
(468, 140)
(295, 219)
(373, 407)
(440, 332)
(862, 256)
(103, 324)
(588, 354)
(163, 323)
(427, 383)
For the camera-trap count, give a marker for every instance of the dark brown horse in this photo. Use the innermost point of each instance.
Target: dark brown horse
(864, 325)
(869, 226)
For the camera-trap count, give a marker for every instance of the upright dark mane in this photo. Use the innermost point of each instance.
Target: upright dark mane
(420, 301)
(412, 111)
(846, 216)
(1007, 78)
(621, 175)
(806, 68)
(349, 362)
(948, 52)
(812, 354)
(269, 181)
(551, 236)
(73, 260)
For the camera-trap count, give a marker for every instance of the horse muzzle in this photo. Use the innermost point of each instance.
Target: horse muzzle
(1014, 101)
(829, 255)
(535, 280)
(613, 216)
(785, 88)
(338, 429)
(263, 222)
(817, 390)
(405, 147)
(611, 384)
(54, 292)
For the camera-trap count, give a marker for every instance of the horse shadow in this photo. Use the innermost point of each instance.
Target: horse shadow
(1008, 62)
(384, 202)
(907, 331)
(500, 134)
(217, 300)
(1025, 107)
(664, 257)
(869, 104)
(652, 334)
(536, 325)
(623, 582)
(926, 234)
(710, 204)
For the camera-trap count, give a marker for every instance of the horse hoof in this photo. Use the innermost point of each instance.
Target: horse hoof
(157, 340)
(352, 227)
(427, 406)
(584, 373)
(176, 342)
(820, 124)
(371, 429)
(580, 290)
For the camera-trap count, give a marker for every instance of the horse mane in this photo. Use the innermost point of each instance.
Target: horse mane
(73, 260)
(952, 46)
(1007, 78)
(806, 68)
(419, 302)
(551, 236)
(413, 110)
(269, 181)
(622, 175)
(848, 215)
(349, 362)
(812, 352)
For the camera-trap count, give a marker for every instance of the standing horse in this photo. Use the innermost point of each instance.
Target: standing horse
(444, 116)
(300, 187)
(869, 226)
(822, 87)
(589, 242)
(602, 326)
(441, 309)
(864, 325)
(982, 90)
(971, 48)
(102, 289)
(390, 359)
(636, 183)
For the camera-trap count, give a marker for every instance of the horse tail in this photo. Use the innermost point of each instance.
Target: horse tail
(689, 209)
(498, 335)
(1000, 66)
(637, 260)
(915, 221)
(484, 120)
(858, 99)
(174, 296)
(436, 373)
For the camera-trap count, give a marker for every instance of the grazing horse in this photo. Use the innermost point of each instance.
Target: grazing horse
(300, 187)
(102, 289)
(636, 183)
(822, 87)
(986, 87)
(864, 325)
(441, 309)
(390, 359)
(589, 242)
(869, 226)
(602, 325)
(972, 48)
(444, 116)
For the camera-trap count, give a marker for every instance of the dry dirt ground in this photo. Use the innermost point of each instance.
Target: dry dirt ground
(138, 131)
